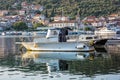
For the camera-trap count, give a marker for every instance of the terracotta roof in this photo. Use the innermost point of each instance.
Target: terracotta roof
(37, 6)
(113, 15)
(90, 21)
(37, 15)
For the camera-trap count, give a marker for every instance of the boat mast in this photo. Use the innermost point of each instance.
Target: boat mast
(78, 25)
(62, 17)
(78, 21)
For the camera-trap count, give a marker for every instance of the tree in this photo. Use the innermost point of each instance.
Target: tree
(88, 29)
(46, 14)
(35, 25)
(52, 13)
(37, 12)
(20, 26)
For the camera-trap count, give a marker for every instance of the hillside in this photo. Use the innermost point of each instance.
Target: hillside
(72, 7)
(85, 7)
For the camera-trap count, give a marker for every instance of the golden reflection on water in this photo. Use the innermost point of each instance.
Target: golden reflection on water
(30, 54)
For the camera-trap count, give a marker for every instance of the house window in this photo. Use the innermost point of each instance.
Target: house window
(72, 24)
(95, 37)
(54, 33)
(60, 25)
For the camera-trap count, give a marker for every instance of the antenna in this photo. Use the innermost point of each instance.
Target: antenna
(78, 21)
(80, 25)
(62, 17)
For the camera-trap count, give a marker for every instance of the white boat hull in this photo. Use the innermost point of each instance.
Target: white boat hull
(57, 46)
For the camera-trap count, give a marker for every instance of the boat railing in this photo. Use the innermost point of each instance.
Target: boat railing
(72, 37)
(106, 36)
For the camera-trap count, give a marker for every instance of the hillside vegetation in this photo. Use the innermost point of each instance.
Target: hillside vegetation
(71, 7)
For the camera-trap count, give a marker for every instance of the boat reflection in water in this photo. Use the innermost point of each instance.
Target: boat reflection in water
(56, 55)
(53, 60)
(79, 65)
(60, 66)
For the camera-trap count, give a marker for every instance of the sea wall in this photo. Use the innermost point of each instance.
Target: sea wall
(8, 44)
(113, 48)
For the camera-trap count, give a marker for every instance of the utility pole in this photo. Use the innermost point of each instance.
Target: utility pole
(78, 20)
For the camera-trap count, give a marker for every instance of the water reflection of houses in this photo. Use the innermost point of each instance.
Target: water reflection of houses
(109, 64)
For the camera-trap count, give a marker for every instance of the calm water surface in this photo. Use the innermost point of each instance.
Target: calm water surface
(58, 65)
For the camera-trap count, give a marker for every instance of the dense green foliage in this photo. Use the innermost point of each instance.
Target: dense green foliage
(88, 29)
(10, 4)
(72, 7)
(36, 25)
(84, 7)
(19, 26)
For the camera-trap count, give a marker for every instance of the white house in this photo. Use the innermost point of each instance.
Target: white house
(112, 16)
(3, 12)
(37, 7)
(96, 22)
(5, 24)
(61, 18)
(24, 5)
(21, 12)
(71, 24)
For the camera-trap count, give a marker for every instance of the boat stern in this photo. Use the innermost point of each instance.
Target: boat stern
(85, 48)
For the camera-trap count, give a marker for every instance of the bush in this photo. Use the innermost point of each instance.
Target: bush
(20, 26)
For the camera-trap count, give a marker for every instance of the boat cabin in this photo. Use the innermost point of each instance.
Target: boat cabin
(88, 37)
(52, 33)
(58, 33)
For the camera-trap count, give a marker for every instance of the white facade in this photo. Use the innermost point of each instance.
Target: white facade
(61, 18)
(97, 24)
(5, 24)
(22, 12)
(71, 24)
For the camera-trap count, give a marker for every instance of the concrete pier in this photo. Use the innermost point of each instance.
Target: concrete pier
(8, 44)
(113, 46)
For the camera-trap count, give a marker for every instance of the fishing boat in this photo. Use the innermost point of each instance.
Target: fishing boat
(108, 32)
(85, 38)
(56, 40)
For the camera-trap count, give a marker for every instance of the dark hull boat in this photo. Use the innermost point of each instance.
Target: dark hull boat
(111, 45)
